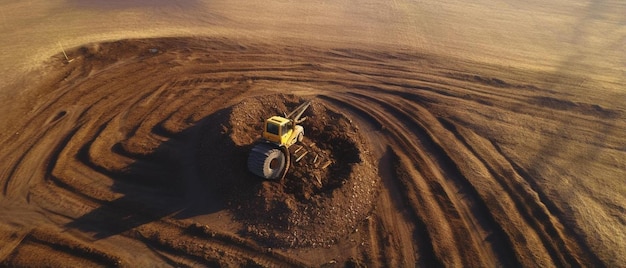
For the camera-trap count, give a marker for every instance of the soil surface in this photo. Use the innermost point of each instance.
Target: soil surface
(133, 153)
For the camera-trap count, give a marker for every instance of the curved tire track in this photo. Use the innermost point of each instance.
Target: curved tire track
(113, 141)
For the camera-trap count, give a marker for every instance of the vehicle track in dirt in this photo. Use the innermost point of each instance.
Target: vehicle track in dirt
(106, 158)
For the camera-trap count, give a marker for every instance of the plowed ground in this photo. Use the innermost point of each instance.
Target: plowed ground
(133, 154)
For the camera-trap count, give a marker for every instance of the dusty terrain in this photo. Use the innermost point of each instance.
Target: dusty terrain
(475, 140)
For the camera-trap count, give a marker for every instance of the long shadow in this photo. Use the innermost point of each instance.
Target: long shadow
(535, 171)
(195, 172)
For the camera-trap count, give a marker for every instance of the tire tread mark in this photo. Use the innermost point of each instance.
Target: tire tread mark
(432, 253)
(501, 244)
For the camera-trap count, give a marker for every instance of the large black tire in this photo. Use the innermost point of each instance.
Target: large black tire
(267, 160)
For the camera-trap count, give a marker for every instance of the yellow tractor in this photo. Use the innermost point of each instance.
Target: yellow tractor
(270, 157)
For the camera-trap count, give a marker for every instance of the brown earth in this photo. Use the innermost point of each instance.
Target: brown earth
(134, 154)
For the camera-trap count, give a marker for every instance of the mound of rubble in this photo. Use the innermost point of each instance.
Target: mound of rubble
(329, 188)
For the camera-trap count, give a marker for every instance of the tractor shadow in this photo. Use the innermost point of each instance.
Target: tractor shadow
(197, 171)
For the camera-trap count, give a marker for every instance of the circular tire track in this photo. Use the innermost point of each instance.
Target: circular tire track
(111, 153)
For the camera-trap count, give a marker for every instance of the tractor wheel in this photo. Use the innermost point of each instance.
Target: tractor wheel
(267, 161)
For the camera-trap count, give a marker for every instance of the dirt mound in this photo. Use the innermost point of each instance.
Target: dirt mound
(324, 195)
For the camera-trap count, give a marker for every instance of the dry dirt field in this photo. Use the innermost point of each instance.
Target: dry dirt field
(459, 133)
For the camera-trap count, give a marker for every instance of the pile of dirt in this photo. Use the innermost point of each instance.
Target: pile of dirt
(325, 193)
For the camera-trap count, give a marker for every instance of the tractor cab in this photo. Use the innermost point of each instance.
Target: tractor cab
(270, 158)
(278, 130)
